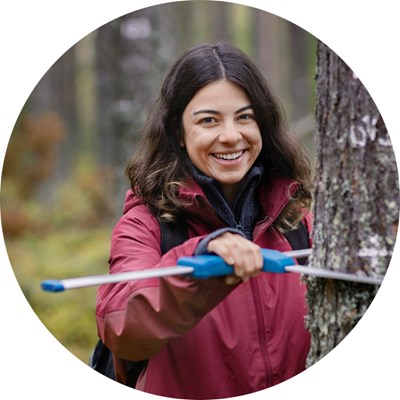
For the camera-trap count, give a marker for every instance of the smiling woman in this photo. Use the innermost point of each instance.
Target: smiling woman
(217, 155)
(222, 138)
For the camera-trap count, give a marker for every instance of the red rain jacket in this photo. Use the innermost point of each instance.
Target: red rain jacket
(203, 338)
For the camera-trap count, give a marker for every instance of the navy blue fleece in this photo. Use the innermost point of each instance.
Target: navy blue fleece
(239, 218)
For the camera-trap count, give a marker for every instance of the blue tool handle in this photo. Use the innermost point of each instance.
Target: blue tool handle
(207, 266)
(52, 285)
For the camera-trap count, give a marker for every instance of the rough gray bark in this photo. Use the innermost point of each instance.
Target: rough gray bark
(356, 202)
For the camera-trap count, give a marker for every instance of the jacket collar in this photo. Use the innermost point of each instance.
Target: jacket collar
(245, 212)
(274, 194)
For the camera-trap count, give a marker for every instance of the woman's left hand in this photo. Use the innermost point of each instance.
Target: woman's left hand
(244, 256)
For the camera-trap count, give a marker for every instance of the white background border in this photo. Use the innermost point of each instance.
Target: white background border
(34, 34)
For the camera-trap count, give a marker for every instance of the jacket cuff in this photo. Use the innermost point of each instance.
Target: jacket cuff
(203, 244)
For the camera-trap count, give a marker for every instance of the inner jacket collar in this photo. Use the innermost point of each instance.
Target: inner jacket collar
(246, 210)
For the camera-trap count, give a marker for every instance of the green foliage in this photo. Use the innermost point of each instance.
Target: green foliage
(32, 151)
(84, 199)
(29, 161)
(65, 235)
(69, 316)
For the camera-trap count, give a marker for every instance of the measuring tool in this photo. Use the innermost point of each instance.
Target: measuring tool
(207, 266)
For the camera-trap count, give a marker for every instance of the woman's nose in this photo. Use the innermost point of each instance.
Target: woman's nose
(230, 133)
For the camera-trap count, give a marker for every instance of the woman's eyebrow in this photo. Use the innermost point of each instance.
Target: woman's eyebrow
(205, 112)
(209, 111)
(249, 106)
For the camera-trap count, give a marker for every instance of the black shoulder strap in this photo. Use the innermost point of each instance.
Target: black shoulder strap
(173, 233)
(101, 360)
(299, 239)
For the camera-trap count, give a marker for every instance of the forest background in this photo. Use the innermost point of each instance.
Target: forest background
(63, 183)
(35, 34)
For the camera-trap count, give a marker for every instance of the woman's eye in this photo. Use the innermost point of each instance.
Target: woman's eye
(208, 120)
(245, 117)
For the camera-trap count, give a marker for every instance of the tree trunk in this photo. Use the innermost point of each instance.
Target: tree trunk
(56, 94)
(128, 54)
(356, 202)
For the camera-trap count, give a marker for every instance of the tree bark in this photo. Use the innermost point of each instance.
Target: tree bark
(356, 202)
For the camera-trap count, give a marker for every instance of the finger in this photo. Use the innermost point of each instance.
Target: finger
(243, 254)
(232, 280)
(248, 257)
(223, 246)
(258, 261)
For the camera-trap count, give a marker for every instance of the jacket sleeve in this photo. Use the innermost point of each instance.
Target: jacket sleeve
(136, 319)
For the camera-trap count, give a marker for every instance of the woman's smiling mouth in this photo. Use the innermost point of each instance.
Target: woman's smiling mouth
(228, 156)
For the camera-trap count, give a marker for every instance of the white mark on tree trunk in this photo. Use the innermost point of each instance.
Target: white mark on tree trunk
(366, 130)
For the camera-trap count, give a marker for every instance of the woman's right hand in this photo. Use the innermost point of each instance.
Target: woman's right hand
(244, 256)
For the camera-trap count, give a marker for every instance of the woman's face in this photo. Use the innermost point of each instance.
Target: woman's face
(221, 135)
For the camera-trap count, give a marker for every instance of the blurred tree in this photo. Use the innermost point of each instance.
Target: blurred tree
(56, 93)
(286, 55)
(129, 50)
(356, 202)
(274, 55)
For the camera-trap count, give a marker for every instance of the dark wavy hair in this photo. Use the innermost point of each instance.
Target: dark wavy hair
(160, 165)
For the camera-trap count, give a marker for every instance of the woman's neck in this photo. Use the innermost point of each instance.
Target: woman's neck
(231, 192)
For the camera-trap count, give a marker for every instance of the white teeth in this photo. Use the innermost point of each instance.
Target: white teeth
(231, 156)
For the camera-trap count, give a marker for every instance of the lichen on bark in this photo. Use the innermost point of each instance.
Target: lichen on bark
(356, 205)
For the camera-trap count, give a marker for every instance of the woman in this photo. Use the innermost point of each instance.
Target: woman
(215, 150)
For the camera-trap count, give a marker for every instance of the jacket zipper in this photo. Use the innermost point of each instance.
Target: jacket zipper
(258, 304)
(261, 333)
(269, 380)
(259, 314)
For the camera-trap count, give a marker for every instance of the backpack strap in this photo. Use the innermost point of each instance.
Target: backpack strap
(173, 233)
(101, 360)
(299, 239)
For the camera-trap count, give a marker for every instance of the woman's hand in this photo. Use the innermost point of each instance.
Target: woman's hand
(244, 256)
